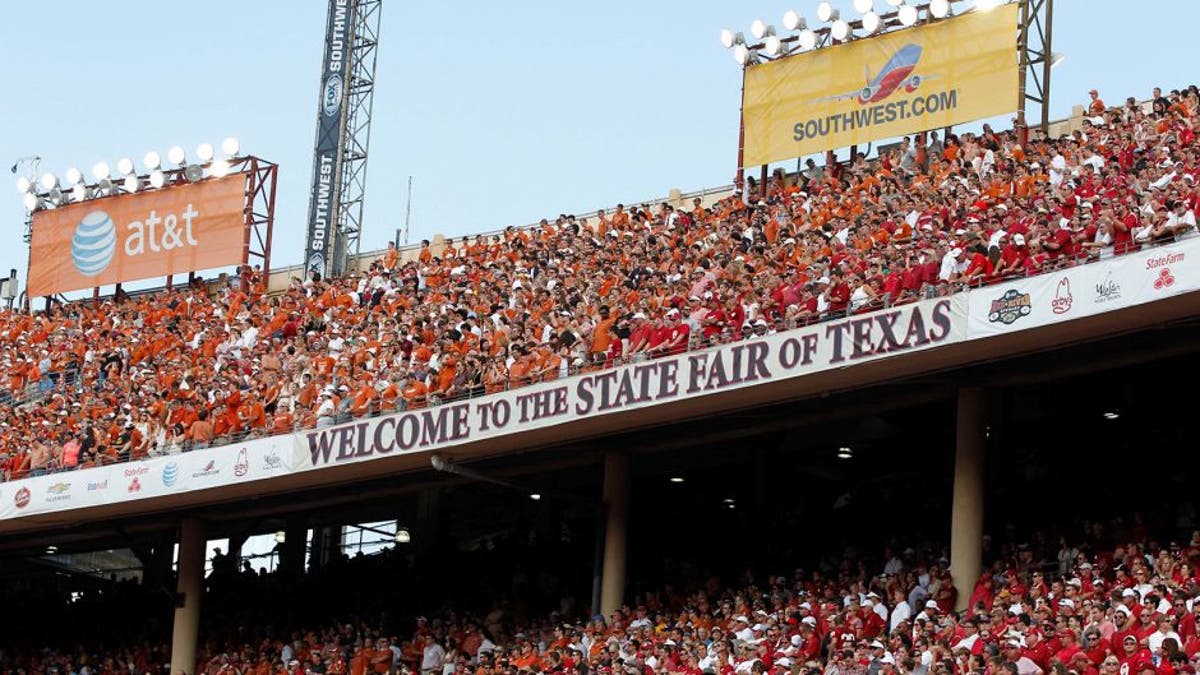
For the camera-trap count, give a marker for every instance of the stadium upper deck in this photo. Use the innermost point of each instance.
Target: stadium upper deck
(100, 383)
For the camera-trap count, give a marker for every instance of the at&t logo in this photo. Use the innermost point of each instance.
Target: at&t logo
(170, 474)
(94, 243)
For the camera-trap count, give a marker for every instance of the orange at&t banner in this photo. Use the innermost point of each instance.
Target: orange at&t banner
(949, 72)
(174, 230)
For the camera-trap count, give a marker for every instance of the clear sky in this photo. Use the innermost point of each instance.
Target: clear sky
(502, 112)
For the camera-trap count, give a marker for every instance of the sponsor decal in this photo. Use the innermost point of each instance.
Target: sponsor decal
(1164, 279)
(1009, 307)
(94, 243)
(1107, 290)
(21, 498)
(242, 466)
(210, 469)
(135, 485)
(331, 98)
(170, 474)
(272, 462)
(95, 486)
(136, 471)
(1062, 300)
(58, 492)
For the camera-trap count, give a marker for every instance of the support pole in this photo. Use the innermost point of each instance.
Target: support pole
(616, 532)
(966, 518)
(190, 591)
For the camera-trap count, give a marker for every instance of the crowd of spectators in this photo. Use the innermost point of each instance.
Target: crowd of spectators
(1132, 609)
(97, 382)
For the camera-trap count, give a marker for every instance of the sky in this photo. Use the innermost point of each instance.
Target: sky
(503, 113)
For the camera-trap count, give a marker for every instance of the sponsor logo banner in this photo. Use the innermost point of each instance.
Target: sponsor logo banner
(1104, 286)
(150, 234)
(835, 344)
(928, 77)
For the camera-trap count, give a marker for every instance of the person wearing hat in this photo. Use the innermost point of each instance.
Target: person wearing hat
(1096, 105)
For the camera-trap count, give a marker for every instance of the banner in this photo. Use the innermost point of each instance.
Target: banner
(932, 76)
(327, 159)
(1105, 286)
(185, 228)
(836, 344)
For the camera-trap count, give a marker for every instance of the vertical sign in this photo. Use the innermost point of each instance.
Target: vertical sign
(327, 156)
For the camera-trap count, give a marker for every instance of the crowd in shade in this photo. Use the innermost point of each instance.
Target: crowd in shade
(93, 382)
(1045, 607)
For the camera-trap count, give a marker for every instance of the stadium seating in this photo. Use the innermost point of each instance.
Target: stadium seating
(111, 381)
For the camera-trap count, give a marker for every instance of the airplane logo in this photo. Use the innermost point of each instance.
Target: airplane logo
(896, 73)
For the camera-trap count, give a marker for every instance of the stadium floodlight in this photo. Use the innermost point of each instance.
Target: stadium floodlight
(24, 184)
(49, 181)
(105, 186)
(131, 184)
(79, 192)
(31, 201)
(205, 152)
(535, 496)
(908, 15)
(741, 54)
(761, 29)
(219, 168)
(231, 147)
(728, 500)
(676, 479)
(773, 45)
(100, 171)
(939, 9)
(193, 173)
(845, 453)
(74, 176)
(807, 39)
(728, 38)
(871, 22)
(55, 196)
(826, 12)
(987, 5)
(51, 549)
(895, 3)
(840, 30)
(157, 179)
(1056, 59)
(176, 156)
(124, 166)
(864, 6)
(1111, 414)
(151, 161)
(403, 536)
(793, 21)
(280, 537)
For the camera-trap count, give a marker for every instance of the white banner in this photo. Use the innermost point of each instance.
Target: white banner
(836, 344)
(1074, 293)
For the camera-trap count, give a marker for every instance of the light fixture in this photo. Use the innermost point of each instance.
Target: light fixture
(864, 6)
(826, 12)
(793, 21)
(151, 161)
(176, 156)
(131, 184)
(403, 536)
(987, 5)
(807, 39)
(55, 196)
(676, 479)
(895, 3)
(49, 181)
(219, 168)
(79, 192)
(908, 15)
(870, 22)
(732, 506)
(741, 54)
(844, 452)
(74, 176)
(1056, 59)
(24, 184)
(231, 147)
(193, 173)
(939, 9)
(761, 29)
(205, 152)
(535, 496)
(840, 30)
(728, 38)
(773, 45)
(157, 178)
(1111, 414)
(125, 166)
(100, 171)
(280, 537)
(105, 186)
(728, 500)
(51, 549)
(31, 202)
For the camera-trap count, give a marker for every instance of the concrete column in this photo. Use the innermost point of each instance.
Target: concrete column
(190, 591)
(616, 532)
(966, 517)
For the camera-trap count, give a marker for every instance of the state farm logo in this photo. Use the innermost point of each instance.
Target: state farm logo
(1107, 290)
(209, 469)
(242, 466)
(272, 462)
(1062, 300)
(59, 492)
(1009, 307)
(21, 498)
(1164, 279)
(135, 485)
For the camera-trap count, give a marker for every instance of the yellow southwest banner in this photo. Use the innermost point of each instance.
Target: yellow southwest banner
(949, 72)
